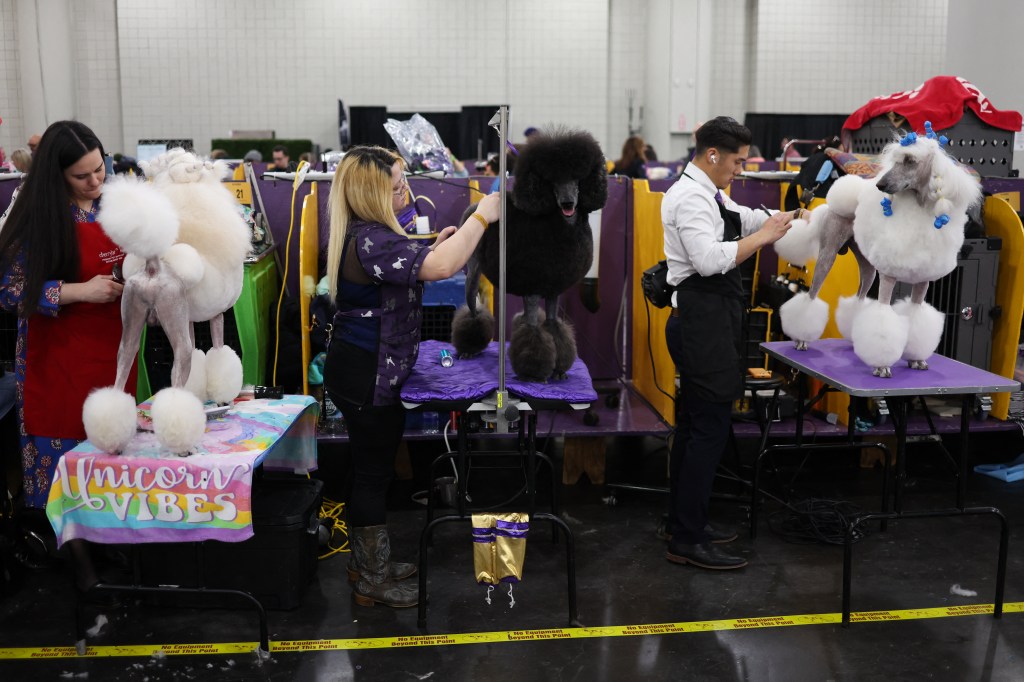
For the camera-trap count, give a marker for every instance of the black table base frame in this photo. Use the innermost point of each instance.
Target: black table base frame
(102, 589)
(812, 448)
(1004, 540)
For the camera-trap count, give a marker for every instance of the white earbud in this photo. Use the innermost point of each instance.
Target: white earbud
(714, 158)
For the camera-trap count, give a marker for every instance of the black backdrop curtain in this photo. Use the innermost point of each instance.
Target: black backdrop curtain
(476, 138)
(460, 130)
(769, 129)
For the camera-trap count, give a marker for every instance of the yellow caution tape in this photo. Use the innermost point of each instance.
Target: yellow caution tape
(308, 645)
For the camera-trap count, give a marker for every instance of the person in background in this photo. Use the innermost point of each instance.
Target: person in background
(649, 153)
(707, 236)
(57, 274)
(528, 133)
(21, 160)
(253, 156)
(33, 142)
(491, 170)
(307, 157)
(633, 162)
(216, 154)
(459, 168)
(755, 155)
(375, 275)
(282, 162)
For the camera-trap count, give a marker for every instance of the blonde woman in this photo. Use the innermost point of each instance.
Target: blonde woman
(374, 276)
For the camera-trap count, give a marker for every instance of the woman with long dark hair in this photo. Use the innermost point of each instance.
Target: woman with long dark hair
(56, 273)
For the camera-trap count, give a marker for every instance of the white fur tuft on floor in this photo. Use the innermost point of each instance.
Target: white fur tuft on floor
(179, 420)
(109, 418)
(924, 328)
(804, 318)
(879, 335)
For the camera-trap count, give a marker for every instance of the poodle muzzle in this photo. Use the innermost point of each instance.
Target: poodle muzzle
(567, 195)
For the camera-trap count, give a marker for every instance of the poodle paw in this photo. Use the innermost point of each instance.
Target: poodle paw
(917, 364)
(882, 372)
(801, 345)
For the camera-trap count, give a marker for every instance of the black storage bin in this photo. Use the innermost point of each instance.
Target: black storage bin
(276, 565)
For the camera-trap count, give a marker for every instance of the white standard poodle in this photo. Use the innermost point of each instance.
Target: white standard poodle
(908, 225)
(186, 244)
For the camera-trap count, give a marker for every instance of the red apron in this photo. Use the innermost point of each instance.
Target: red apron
(75, 352)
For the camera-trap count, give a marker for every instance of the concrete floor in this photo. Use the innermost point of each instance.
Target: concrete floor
(624, 580)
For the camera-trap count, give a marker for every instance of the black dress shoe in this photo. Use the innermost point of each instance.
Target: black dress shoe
(715, 535)
(720, 536)
(704, 555)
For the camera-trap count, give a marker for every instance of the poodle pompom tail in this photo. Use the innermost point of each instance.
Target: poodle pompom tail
(846, 312)
(109, 418)
(186, 263)
(800, 244)
(804, 318)
(138, 217)
(196, 383)
(179, 420)
(925, 325)
(131, 264)
(879, 335)
(223, 374)
(842, 198)
(471, 333)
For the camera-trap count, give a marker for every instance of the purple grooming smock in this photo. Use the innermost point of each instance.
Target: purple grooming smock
(383, 317)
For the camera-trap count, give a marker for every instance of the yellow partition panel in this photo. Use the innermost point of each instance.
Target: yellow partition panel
(843, 280)
(309, 249)
(648, 249)
(1001, 221)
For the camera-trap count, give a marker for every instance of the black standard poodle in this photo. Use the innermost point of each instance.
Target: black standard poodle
(560, 178)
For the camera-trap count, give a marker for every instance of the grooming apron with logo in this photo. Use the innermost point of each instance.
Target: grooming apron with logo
(711, 324)
(75, 352)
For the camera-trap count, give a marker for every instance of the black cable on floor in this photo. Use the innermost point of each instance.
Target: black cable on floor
(815, 521)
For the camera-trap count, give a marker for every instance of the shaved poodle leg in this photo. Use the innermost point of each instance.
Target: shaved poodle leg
(216, 330)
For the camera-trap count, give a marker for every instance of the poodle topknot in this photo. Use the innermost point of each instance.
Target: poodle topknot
(558, 157)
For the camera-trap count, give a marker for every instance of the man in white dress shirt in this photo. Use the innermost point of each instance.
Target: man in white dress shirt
(706, 236)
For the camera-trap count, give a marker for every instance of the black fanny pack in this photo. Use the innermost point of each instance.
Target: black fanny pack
(654, 282)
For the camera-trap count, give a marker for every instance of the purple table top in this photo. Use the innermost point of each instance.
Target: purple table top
(834, 362)
(476, 378)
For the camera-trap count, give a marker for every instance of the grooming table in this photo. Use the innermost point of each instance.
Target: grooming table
(464, 387)
(144, 495)
(833, 362)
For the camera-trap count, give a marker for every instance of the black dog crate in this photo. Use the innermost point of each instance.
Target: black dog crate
(971, 141)
(967, 297)
(275, 566)
(437, 323)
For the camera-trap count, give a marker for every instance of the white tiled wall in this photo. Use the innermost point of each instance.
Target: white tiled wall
(734, 38)
(200, 68)
(832, 57)
(12, 131)
(627, 63)
(97, 85)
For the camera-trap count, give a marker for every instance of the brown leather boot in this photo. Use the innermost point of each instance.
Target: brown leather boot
(399, 570)
(371, 552)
